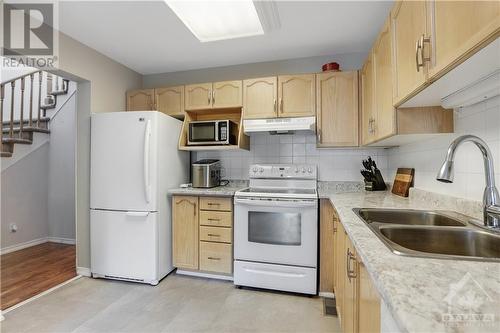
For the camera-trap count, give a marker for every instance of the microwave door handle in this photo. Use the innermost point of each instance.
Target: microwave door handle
(216, 129)
(274, 203)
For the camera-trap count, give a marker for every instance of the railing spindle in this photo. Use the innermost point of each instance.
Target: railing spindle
(31, 101)
(57, 82)
(2, 91)
(11, 127)
(40, 77)
(21, 121)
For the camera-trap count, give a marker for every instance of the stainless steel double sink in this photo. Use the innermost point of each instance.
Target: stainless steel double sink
(432, 234)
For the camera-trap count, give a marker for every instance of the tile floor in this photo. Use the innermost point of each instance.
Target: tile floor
(177, 304)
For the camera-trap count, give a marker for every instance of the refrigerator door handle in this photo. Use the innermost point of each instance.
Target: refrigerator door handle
(147, 137)
(137, 214)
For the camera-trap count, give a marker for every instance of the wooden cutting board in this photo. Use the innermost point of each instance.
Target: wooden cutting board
(403, 181)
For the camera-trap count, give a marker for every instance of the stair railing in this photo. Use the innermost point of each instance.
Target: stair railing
(21, 83)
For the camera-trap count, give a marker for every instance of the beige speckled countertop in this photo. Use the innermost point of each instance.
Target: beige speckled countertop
(219, 191)
(414, 289)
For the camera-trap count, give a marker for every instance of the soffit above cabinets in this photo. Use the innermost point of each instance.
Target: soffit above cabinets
(148, 37)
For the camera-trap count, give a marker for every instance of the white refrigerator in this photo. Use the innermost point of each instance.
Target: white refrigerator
(134, 161)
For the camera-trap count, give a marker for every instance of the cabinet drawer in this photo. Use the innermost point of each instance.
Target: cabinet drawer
(216, 234)
(213, 203)
(216, 257)
(216, 219)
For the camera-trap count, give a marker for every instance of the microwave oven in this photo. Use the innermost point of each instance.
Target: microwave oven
(212, 132)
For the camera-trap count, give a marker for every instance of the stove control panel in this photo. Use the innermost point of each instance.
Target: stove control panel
(300, 171)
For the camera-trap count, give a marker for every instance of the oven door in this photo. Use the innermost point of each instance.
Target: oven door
(203, 132)
(277, 231)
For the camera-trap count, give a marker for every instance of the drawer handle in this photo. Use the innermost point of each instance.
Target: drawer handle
(213, 258)
(213, 235)
(213, 204)
(214, 220)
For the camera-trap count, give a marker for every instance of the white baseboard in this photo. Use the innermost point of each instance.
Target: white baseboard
(83, 271)
(61, 240)
(37, 241)
(24, 245)
(326, 294)
(205, 275)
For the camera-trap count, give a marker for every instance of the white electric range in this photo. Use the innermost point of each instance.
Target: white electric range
(276, 229)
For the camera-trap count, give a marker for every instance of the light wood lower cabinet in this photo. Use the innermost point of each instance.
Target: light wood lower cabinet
(326, 244)
(203, 233)
(185, 231)
(357, 300)
(216, 257)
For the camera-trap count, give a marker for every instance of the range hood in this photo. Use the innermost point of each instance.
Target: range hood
(280, 125)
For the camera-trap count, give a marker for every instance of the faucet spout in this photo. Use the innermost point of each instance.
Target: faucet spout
(491, 198)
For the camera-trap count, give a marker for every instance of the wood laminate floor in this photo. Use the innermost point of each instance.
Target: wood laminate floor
(28, 272)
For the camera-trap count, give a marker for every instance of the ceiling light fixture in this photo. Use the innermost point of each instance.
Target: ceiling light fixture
(217, 20)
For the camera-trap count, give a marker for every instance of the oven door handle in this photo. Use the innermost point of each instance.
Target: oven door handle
(275, 203)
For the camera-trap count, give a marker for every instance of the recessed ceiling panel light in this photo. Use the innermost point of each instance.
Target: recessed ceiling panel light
(217, 20)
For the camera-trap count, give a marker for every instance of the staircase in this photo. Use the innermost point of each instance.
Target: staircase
(32, 110)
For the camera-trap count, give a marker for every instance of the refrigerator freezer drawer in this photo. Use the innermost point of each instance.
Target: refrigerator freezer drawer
(276, 277)
(124, 245)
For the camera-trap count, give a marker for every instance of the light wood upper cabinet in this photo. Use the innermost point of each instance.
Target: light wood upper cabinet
(409, 22)
(260, 98)
(141, 100)
(227, 94)
(337, 109)
(170, 100)
(296, 95)
(198, 96)
(185, 231)
(460, 26)
(382, 69)
(368, 303)
(367, 102)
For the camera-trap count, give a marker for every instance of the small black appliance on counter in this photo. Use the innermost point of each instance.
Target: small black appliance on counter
(373, 178)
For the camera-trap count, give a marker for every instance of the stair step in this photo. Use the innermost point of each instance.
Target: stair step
(17, 140)
(5, 154)
(27, 129)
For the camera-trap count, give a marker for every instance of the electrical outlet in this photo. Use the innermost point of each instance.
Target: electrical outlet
(13, 227)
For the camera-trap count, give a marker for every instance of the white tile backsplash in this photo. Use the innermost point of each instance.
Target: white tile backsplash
(333, 164)
(483, 120)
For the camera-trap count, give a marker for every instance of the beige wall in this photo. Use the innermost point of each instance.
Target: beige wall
(102, 83)
(109, 79)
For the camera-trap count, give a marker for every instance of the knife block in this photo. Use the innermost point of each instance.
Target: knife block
(378, 184)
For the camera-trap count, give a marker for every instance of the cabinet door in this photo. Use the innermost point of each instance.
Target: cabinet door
(185, 231)
(260, 98)
(367, 102)
(227, 94)
(382, 68)
(326, 247)
(368, 303)
(198, 96)
(349, 320)
(340, 270)
(170, 100)
(408, 19)
(459, 27)
(296, 94)
(141, 100)
(337, 112)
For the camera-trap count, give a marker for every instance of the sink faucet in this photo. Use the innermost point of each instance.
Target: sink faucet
(491, 198)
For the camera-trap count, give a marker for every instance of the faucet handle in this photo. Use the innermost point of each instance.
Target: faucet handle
(493, 209)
